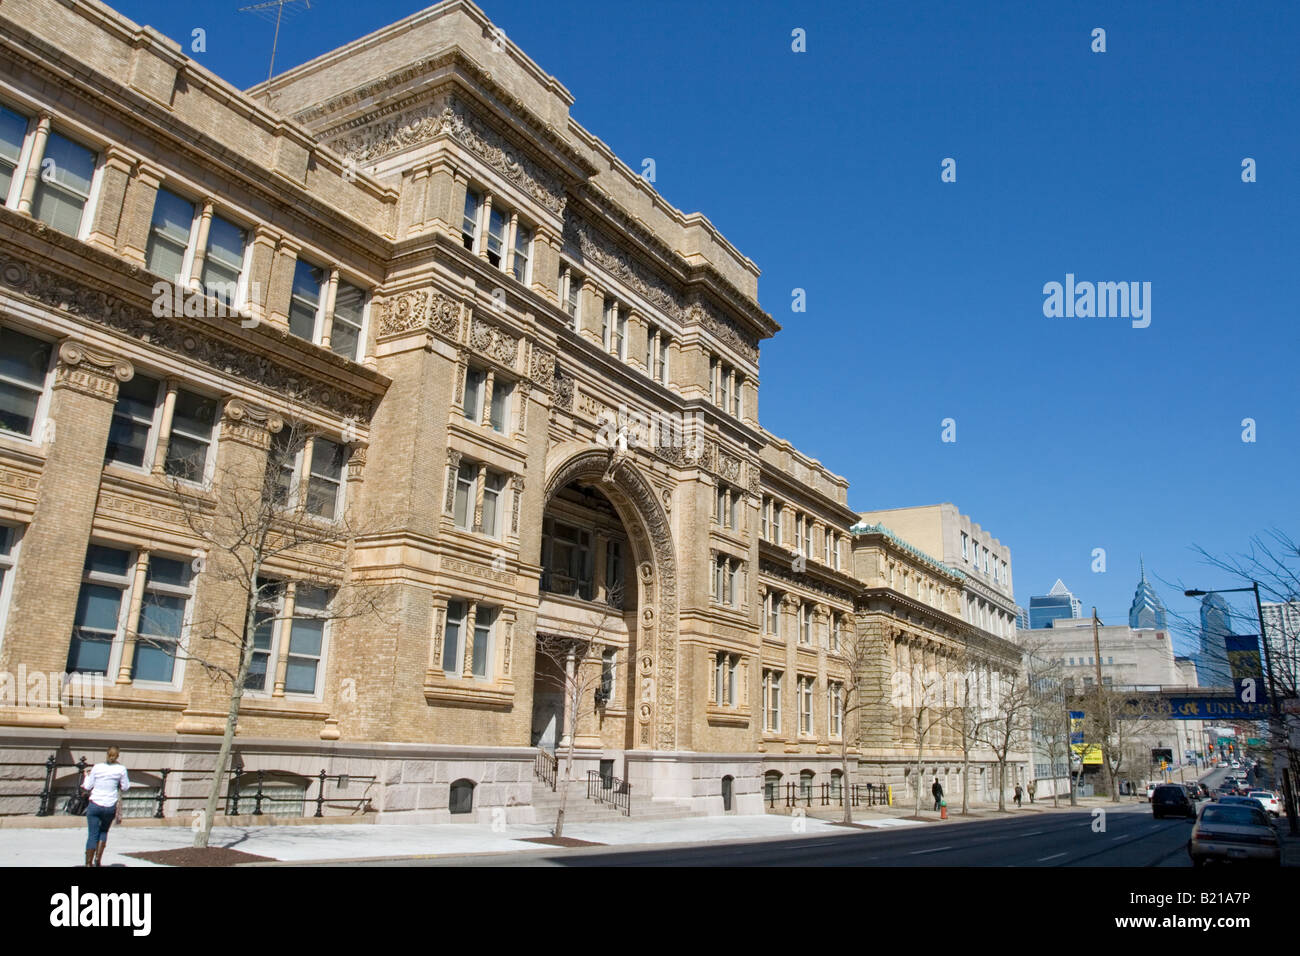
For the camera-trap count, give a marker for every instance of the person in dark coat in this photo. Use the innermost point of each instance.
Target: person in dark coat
(937, 790)
(1019, 794)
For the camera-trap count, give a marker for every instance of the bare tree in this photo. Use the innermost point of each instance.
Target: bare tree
(269, 528)
(582, 676)
(1012, 700)
(857, 650)
(967, 717)
(1116, 720)
(1050, 722)
(919, 695)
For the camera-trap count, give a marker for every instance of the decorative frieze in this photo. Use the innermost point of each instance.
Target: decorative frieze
(493, 343)
(249, 424)
(724, 330)
(417, 310)
(477, 570)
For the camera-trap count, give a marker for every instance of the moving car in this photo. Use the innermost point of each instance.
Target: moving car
(1171, 800)
(1151, 788)
(1244, 801)
(1234, 833)
(1268, 798)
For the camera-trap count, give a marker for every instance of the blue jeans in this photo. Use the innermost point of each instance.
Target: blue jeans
(98, 820)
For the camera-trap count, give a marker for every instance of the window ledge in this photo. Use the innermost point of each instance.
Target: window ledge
(727, 716)
(148, 698)
(470, 692)
(283, 707)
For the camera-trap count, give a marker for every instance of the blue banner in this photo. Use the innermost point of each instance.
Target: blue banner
(1214, 708)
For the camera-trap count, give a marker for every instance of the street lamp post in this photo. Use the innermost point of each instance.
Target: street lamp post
(1276, 727)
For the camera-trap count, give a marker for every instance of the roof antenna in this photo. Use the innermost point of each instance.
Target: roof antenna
(279, 13)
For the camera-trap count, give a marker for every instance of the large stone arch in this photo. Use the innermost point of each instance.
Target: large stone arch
(642, 513)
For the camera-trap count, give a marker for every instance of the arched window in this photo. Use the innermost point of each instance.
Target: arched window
(806, 778)
(462, 796)
(771, 785)
(837, 783)
(727, 782)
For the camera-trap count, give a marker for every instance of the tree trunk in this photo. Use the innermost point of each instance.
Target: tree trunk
(919, 767)
(965, 781)
(1002, 782)
(204, 833)
(564, 792)
(846, 789)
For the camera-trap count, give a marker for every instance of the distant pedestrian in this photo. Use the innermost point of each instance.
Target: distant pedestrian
(1033, 785)
(937, 790)
(1019, 794)
(106, 782)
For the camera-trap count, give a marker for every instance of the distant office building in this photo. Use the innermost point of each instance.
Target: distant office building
(1147, 610)
(1282, 625)
(1055, 604)
(1216, 624)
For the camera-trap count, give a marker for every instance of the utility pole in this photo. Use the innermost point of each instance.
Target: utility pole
(1096, 650)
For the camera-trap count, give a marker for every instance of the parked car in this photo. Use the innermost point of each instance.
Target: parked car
(1241, 800)
(1171, 800)
(1268, 798)
(1234, 833)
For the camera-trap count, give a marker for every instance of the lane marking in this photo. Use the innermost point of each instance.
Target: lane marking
(1044, 859)
(937, 849)
(1032, 833)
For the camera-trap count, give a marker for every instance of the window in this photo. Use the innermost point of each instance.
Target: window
(101, 622)
(798, 532)
(613, 328)
(223, 261)
(63, 189)
(608, 664)
(726, 511)
(24, 370)
(167, 251)
(501, 392)
(190, 442)
(772, 613)
(130, 435)
(461, 797)
(805, 705)
(498, 221)
(472, 401)
(835, 553)
(778, 514)
(771, 786)
(567, 558)
(736, 391)
(493, 496)
(325, 479)
(772, 700)
(162, 618)
(349, 316)
(466, 479)
(614, 573)
(835, 631)
(571, 294)
(299, 640)
(806, 778)
(469, 228)
(456, 632)
(965, 542)
(805, 623)
(835, 708)
(657, 343)
(13, 131)
(523, 245)
(726, 580)
(9, 537)
(724, 679)
(765, 518)
(305, 299)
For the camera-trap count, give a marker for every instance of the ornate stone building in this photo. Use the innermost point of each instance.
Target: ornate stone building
(536, 377)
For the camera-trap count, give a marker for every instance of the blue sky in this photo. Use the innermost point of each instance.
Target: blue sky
(925, 298)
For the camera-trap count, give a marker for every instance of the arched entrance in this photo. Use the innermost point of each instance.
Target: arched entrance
(606, 488)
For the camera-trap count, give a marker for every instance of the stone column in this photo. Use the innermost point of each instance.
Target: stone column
(286, 634)
(114, 179)
(328, 295)
(47, 579)
(133, 617)
(221, 589)
(32, 174)
(137, 213)
(283, 265)
(165, 427)
(201, 243)
(508, 253)
(485, 226)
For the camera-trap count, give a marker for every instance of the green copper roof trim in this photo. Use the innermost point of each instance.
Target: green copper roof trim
(863, 528)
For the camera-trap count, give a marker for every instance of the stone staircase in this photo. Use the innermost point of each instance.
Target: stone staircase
(579, 808)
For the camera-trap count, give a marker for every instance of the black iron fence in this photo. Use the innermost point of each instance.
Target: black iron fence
(609, 789)
(256, 792)
(826, 795)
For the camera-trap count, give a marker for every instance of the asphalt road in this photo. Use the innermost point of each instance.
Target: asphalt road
(1125, 836)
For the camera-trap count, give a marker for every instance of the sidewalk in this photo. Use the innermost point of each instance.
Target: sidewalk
(64, 847)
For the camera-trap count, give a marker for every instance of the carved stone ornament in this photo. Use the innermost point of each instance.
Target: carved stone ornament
(418, 310)
(596, 247)
(542, 367)
(91, 372)
(173, 335)
(447, 115)
(249, 424)
(725, 330)
(563, 390)
(492, 342)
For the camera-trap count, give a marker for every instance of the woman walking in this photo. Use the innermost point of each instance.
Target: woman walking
(105, 781)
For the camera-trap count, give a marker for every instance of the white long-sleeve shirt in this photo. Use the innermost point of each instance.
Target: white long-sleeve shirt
(104, 781)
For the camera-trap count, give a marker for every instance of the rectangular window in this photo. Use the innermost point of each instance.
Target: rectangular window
(778, 515)
(466, 490)
(661, 371)
(469, 228)
(650, 334)
(100, 609)
(188, 447)
(305, 298)
(798, 532)
(733, 514)
(620, 335)
(965, 542)
(805, 705)
(835, 553)
(609, 313)
(162, 618)
(282, 467)
(130, 433)
(735, 396)
(614, 573)
(349, 311)
(774, 613)
(523, 245)
(733, 584)
(306, 648)
(64, 186)
(805, 623)
(270, 603)
(501, 392)
(608, 664)
(452, 639)
(325, 480)
(484, 618)
(498, 222)
(223, 261)
(719, 678)
(573, 298)
(472, 401)
(835, 700)
(24, 369)
(493, 487)
(13, 132)
(772, 700)
(764, 518)
(169, 236)
(835, 632)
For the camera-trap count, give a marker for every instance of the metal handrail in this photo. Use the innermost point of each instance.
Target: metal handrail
(611, 790)
(547, 767)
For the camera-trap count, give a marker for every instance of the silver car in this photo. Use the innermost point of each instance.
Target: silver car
(1234, 832)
